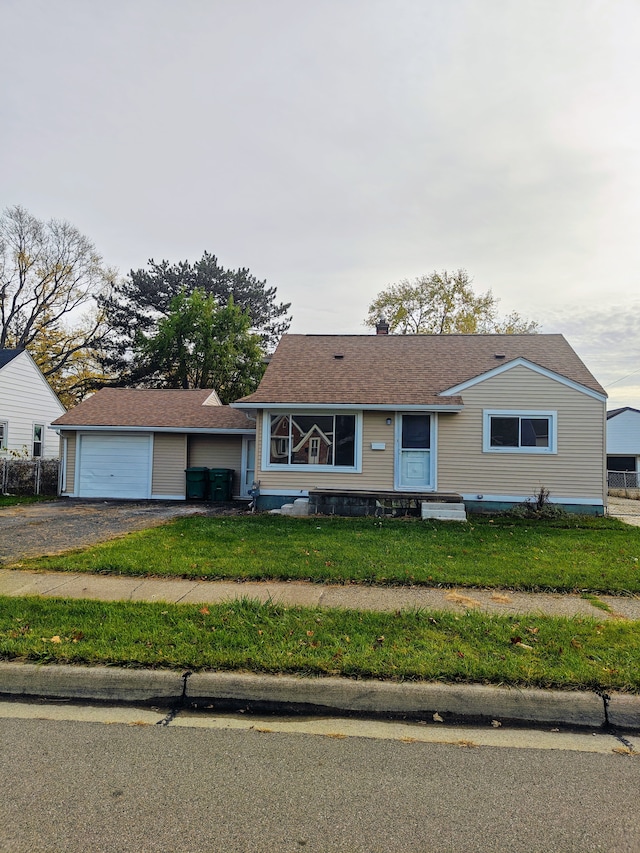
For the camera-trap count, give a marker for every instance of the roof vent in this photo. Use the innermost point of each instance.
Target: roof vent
(338, 356)
(382, 327)
(500, 355)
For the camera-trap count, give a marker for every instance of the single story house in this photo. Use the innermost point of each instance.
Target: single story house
(352, 421)
(28, 406)
(137, 443)
(623, 448)
(487, 419)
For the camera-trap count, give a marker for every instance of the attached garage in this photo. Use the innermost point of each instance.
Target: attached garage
(114, 465)
(136, 443)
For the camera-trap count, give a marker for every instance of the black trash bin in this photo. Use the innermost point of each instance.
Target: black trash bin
(197, 483)
(220, 482)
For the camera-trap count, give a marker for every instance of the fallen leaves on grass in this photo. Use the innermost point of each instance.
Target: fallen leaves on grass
(517, 641)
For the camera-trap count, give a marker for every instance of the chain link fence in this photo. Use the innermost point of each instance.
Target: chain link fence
(623, 479)
(29, 476)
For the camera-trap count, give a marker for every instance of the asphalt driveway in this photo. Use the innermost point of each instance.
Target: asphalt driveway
(50, 527)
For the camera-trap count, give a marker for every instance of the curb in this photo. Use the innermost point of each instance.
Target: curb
(321, 696)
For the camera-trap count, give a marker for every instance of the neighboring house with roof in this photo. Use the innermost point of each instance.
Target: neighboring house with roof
(623, 447)
(28, 405)
(490, 419)
(137, 443)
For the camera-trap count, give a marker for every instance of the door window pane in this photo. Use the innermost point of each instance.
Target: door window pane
(416, 432)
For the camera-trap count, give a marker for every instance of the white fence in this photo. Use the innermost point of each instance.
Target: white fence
(29, 476)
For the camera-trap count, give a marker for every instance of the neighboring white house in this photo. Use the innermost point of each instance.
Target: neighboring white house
(27, 408)
(623, 447)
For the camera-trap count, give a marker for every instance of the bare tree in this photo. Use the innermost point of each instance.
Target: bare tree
(50, 278)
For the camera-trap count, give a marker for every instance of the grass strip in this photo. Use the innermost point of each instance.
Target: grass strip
(575, 554)
(16, 500)
(249, 636)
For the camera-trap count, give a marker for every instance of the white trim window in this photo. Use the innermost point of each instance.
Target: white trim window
(318, 441)
(517, 431)
(4, 432)
(38, 439)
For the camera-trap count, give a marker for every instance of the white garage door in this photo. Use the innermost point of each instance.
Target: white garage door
(114, 466)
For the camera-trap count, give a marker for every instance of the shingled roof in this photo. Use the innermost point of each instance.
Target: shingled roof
(614, 412)
(7, 355)
(155, 408)
(401, 370)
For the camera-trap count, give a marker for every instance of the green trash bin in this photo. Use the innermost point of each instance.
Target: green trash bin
(197, 483)
(220, 482)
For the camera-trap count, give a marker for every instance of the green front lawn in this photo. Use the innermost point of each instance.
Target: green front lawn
(525, 651)
(576, 553)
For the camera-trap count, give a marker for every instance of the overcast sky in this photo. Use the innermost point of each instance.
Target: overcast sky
(334, 147)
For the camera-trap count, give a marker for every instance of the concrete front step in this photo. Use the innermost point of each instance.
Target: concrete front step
(299, 508)
(443, 511)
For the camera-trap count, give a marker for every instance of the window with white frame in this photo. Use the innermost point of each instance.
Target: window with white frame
(38, 438)
(321, 440)
(507, 431)
(4, 431)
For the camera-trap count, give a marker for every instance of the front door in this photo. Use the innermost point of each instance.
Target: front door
(248, 465)
(414, 461)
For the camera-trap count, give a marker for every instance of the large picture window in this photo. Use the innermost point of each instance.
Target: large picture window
(322, 440)
(519, 432)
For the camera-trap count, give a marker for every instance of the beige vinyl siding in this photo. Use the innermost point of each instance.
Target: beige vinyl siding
(70, 472)
(169, 463)
(576, 470)
(218, 451)
(377, 465)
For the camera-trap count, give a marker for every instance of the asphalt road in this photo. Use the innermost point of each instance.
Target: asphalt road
(78, 786)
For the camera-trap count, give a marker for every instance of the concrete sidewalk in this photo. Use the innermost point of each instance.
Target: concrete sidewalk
(424, 701)
(351, 596)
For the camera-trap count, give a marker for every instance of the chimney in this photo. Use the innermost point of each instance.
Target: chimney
(382, 327)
